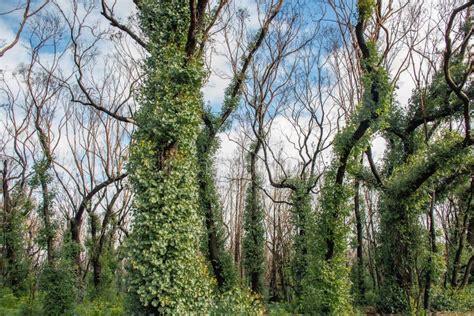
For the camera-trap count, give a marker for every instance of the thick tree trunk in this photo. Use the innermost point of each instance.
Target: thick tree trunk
(75, 226)
(96, 251)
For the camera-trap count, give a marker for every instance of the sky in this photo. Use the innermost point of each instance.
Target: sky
(218, 80)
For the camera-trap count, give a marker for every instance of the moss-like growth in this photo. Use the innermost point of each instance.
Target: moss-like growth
(168, 274)
(254, 230)
(211, 211)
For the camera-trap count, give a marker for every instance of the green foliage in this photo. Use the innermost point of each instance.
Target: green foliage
(167, 274)
(231, 100)
(111, 276)
(165, 23)
(41, 173)
(326, 289)
(10, 304)
(254, 237)
(453, 299)
(14, 261)
(100, 307)
(210, 206)
(358, 273)
(303, 220)
(326, 286)
(443, 155)
(35, 305)
(405, 198)
(58, 282)
(392, 299)
(401, 233)
(365, 8)
(42, 177)
(279, 310)
(166, 270)
(237, 302)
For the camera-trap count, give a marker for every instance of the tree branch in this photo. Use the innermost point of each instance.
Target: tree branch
(107, 13)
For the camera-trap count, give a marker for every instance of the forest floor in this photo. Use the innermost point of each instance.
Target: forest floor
(370, 311)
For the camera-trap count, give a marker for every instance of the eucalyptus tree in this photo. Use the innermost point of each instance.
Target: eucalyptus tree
(101, 107)
(19, 253)
(419, 145)
(167, 272)
(265, 92)
(292, 90)
(207, 142)
(327, 287)
(207, 146)
(44, 97)
(90, 174)
(424, 152)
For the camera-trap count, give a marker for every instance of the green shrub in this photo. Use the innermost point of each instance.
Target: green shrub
(279, 309)
(100, 307)
(453, 299)
(59, 283)
(391, 299)
(237, 301)
(13, 305)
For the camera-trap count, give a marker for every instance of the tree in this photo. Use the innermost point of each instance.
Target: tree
(167, 272)
(213, 125)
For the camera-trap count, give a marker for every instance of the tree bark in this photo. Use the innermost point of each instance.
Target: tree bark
(360, 245)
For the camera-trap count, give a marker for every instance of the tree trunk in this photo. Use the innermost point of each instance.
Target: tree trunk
(459, 249)
(9, 257)
(429, 272)
(360, 246)
(211, 208)
(75, 227)
(254, 233)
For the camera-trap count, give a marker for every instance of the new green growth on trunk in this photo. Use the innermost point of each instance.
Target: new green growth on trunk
(167, 272)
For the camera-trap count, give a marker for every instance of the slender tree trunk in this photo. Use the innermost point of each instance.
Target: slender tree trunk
(47, 220)
(42, 170)
(274, 297)
(9, 257)
(238, 225)
(371, 246)
(429, 272)
(469, 274)
(282, 258)
(457, 256)
(254, 231)
(360, 245)
(211, 208)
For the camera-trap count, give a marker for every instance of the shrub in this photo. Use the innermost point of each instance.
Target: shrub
(13, 305)
(453, 299)
(237, 301)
